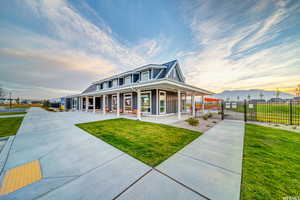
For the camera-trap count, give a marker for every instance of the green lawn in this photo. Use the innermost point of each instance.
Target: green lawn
(148, 142)
(9, 126)
(13, 113)
(271, 164)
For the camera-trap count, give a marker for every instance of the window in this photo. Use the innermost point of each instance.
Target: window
(146, 102)
(145, 76)
(114, 83)
(162, 102)
(97, 87)
(104, 85)
(127, 80)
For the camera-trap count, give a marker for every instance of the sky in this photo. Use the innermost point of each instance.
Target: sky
(53, 48)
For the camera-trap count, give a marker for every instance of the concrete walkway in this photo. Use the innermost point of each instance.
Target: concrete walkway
(76, 165)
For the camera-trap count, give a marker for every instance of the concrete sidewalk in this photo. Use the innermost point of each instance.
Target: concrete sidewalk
(76, 165)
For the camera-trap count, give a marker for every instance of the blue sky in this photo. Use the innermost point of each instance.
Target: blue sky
(53, 48)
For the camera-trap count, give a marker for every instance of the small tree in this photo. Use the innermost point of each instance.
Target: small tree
(46, 103)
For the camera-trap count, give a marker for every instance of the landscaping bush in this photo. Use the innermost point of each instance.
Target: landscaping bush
(192, 121)
(205, 117)
(209, 115)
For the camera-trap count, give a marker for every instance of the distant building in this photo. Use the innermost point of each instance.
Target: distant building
(257, 101)
(297, 98)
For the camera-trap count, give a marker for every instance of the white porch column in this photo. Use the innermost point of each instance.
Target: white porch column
(103, 104)
(94, 104)
(86, 104)
(193, 106)
(138, 110)
(179, 104)
(81, 103)
(118, 104)
(157, 102)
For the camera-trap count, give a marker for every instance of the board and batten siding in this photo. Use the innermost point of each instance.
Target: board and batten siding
(171, 98)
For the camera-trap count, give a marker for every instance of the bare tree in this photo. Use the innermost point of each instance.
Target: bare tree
(2, 92)
(261, 95)
(249, 97)
(277, 93)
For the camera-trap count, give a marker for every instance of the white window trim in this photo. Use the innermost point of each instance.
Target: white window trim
(124, 101)
(147, 92)
(144, 72)
(165, 102)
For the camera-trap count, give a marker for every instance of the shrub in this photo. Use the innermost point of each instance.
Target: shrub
(205, 117)
(209, 115)
(192, 121)
(294, 127)
(214, 122)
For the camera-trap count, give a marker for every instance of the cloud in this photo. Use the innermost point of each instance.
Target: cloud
(71, 51)
(234, 55)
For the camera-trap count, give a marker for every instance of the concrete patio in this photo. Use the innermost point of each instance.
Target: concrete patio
(208, 168)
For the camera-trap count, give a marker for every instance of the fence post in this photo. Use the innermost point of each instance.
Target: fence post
(291, 112)
(245, 110)
(222, 110)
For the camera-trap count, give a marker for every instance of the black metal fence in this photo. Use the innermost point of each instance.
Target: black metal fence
(281, 112)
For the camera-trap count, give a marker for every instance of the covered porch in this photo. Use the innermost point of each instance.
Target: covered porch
(147, 101)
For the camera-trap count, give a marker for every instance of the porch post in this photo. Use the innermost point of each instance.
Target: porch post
(157, 102)
(193, 105)
(94, 104)
(138, 110)
(118, 104)
(103, 104)
(86, 104)
(179, 104)
(81, 103)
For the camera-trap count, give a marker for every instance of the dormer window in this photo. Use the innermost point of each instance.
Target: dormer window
(127, 80)
(145, 76)
(97, 87)
(115, 83)
(104, 85)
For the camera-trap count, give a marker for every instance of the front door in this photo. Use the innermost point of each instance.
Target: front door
(127, 102)
(146, 102)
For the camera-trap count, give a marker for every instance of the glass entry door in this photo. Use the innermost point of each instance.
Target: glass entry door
(162, 102)
(127, 102)
(146, 102)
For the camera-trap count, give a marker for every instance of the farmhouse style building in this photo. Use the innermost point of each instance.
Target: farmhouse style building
(154, 89)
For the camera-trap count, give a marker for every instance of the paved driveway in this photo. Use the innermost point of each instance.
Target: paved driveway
(76, 165)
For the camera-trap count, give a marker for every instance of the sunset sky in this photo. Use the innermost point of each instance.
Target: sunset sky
(54, 48)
